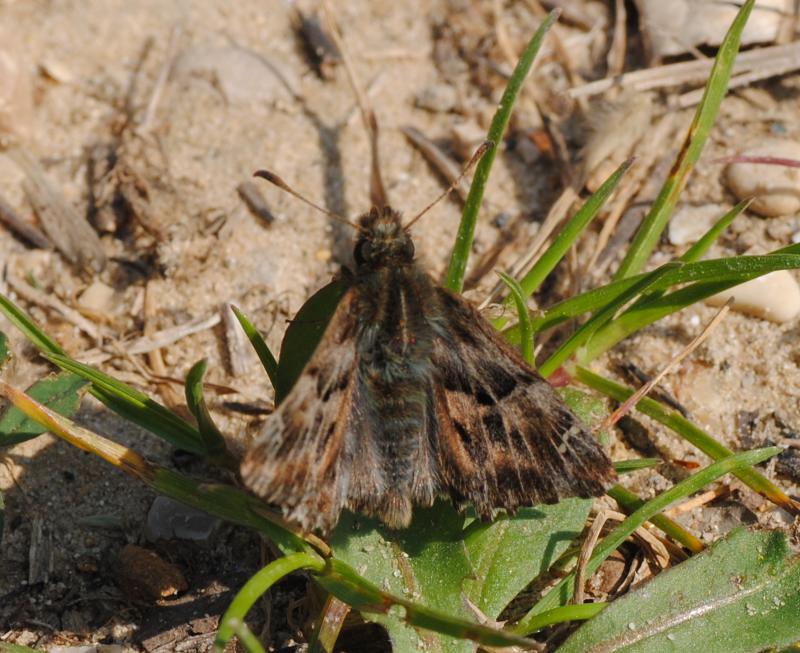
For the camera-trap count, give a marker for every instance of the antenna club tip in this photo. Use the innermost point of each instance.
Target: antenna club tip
(269, 176)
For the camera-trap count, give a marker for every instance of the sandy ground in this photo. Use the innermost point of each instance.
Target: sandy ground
(241, 96)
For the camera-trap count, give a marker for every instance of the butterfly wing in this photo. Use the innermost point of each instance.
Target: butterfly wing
(303, 457)
(504, 437)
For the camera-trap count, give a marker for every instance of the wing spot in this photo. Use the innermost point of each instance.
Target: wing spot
(500, 381)
(494, 425)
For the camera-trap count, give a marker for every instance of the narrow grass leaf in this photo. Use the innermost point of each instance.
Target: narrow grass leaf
(571, 231)
(259, 584)
(525, 329)
(5, 352)
(649, 232)
(212, 437)
(727, 272)
(741, 595)
(60, 392)
(560, 593)
(693, 434)
(602, 316)
(259, 345)
(629, 503)
(454, 279)
(696, 251)
(635, 464)
(29, 328)
(222, 501)
(567, 613)
(136, 406)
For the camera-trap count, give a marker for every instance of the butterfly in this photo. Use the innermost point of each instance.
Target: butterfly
(412, 394)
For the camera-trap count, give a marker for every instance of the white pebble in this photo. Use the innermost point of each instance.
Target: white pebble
(776, 188)
(689, 223)
(775, 297)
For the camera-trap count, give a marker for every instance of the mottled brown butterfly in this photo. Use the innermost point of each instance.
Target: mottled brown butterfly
(410, 395)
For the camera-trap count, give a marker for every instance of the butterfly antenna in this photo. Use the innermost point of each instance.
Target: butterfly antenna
(483, 149)
(272, 178)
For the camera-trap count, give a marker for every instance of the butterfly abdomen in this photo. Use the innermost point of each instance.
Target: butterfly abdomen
(395, 369)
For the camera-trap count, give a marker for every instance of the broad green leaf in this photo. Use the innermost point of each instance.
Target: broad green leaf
(426, 563)
(304, 334)
(740, 596)
(510, 552)
(60, 392)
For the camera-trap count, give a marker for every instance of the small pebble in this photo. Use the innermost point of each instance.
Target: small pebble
(467, 137)
(168, 519)
(440, 98)
(98, 298)
(242, 75)
(776, 188)
(774, 297)
(690, 222)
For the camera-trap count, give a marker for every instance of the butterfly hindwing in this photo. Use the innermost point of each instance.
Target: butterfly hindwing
(504, 437)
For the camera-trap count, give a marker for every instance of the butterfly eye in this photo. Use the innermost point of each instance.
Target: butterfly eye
(409, 248)
(363, 251)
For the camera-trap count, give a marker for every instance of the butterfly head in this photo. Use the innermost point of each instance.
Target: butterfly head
(382, 240)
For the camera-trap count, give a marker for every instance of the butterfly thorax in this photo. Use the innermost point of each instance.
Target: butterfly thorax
(382, 240)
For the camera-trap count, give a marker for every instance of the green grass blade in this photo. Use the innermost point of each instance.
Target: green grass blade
(5, 352)
(635, 464)
(258, 584)
(136, 406)
(213, 439)
(563, 589)
(572, 230)
(525, 329)
(696, 251)
(454, 279)
(654, 223)
(566, 613)
(223, 501)
(29, 328)
(262, 351)
(629, 502)
(731, 271)
(673, 420)
(246, 637)
(606, 313)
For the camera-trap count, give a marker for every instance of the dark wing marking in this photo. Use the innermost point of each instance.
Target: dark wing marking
(505, 437)
(303, 458)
